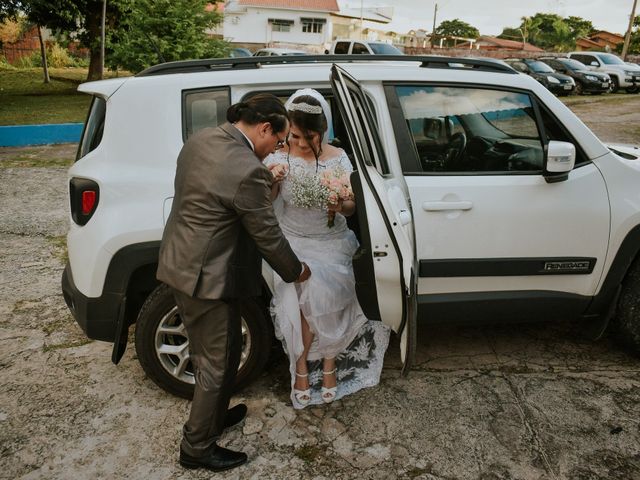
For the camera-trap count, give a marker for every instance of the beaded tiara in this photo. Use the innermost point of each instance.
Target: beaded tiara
(305, 107)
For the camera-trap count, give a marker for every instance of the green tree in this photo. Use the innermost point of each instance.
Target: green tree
(509, 33)
(550, 31)
(579, 26)
(154, 31)
(456, 28)
(634, 42)
(81, 18)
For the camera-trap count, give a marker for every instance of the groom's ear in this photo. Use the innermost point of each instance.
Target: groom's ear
(264, 128)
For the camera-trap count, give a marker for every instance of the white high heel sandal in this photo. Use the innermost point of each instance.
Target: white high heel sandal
(329, 393)
(302, 396)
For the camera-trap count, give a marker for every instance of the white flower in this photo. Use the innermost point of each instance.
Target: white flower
(308, 192)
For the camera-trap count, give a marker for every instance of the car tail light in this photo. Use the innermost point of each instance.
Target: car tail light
(84, 196)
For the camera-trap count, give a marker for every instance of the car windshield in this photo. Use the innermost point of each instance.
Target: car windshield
(384, 49)
(609, 59)
(540, 67)
(573, 64)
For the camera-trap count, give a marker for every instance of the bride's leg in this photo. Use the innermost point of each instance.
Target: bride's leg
(329, 382)
(302, 383)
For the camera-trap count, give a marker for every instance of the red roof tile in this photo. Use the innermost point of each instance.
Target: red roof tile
(322, 5)
(513, 44)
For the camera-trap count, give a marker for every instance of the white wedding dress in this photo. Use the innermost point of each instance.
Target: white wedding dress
(327, 299)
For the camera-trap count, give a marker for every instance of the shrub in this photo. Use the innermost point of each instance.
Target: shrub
(4, 64)
(28, 61)
(58, 57)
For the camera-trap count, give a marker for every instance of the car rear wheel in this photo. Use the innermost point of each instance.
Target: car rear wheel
(579, 88)
(633, 89)
(627, 320)
(162, 344)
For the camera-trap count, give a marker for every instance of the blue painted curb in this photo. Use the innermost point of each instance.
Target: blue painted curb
(21, 135)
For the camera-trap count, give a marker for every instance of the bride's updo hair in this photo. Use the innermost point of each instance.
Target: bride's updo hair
(262, 107)
(309, 120)
(306, 113)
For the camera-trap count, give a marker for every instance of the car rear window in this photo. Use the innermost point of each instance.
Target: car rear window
(384, 49)
(203, 108)
(93, 127)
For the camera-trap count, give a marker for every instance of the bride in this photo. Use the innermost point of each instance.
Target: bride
(333, 349)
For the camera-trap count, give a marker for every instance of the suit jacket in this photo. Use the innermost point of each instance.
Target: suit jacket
(222, 220)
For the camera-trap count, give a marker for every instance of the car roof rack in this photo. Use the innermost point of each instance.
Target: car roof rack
(213, 64)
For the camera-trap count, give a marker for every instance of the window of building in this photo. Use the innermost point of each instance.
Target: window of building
(312, 25)
(280, 24)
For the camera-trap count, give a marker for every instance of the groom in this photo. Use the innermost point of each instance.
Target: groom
(221, 223)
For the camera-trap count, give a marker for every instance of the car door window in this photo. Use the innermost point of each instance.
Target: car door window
(359, 48)
(342, 48)
(471, 130)
(203, 108)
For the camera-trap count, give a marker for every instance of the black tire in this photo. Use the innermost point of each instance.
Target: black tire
(627, 320)
(160, 308)
(633, 89)
(579, 90)
(615, 85)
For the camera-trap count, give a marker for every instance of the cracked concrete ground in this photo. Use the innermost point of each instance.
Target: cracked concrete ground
(491, 402)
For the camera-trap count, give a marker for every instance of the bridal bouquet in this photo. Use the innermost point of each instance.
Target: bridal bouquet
(321, 191)
(339, 187)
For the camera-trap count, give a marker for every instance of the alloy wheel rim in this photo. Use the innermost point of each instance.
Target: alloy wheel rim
(172, 346)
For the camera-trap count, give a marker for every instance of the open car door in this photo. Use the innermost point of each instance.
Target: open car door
(385, 264)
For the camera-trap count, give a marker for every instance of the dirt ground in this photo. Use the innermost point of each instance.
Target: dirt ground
(491, 403)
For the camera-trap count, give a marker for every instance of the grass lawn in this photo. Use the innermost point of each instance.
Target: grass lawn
(26, 100)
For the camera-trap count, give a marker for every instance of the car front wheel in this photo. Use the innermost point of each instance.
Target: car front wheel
(615, 85)
(162, 344)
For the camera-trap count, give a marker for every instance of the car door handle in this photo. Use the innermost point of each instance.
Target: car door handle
(440, 206)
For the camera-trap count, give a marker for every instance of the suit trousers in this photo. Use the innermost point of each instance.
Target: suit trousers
(215, 344)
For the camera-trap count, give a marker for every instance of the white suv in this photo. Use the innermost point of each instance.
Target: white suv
(622, 74)
(362, 47)
(480, 197)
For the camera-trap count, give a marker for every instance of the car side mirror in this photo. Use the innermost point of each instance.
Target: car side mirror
(594, 64)
(560, 159)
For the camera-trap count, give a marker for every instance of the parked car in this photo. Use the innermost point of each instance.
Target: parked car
(361, 47)
(622, 75)
(481, 197)
(240, 52)
(558, 83)
(268, 52)
(586, 80)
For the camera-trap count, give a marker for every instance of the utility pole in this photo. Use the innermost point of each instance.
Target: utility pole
(361, 19)
(433, 32)
(102, 37)
(627, 37)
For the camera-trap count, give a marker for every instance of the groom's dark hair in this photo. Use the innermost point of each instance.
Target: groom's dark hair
(263, 107)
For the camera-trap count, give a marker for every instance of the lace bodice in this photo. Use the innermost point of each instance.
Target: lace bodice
(307, 222)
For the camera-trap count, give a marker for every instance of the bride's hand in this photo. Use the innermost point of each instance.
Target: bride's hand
(279, 171)
(345, 207)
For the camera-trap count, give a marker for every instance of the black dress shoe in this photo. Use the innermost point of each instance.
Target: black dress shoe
(218, 460)
(235, 415)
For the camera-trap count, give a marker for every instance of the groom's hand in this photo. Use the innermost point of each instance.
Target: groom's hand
(306, 273)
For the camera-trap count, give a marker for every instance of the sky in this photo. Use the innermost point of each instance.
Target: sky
(490, 16)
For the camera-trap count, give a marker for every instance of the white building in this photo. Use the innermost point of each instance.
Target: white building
(279, 22)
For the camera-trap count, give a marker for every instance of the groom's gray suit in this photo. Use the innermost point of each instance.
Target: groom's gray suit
(221, 224)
